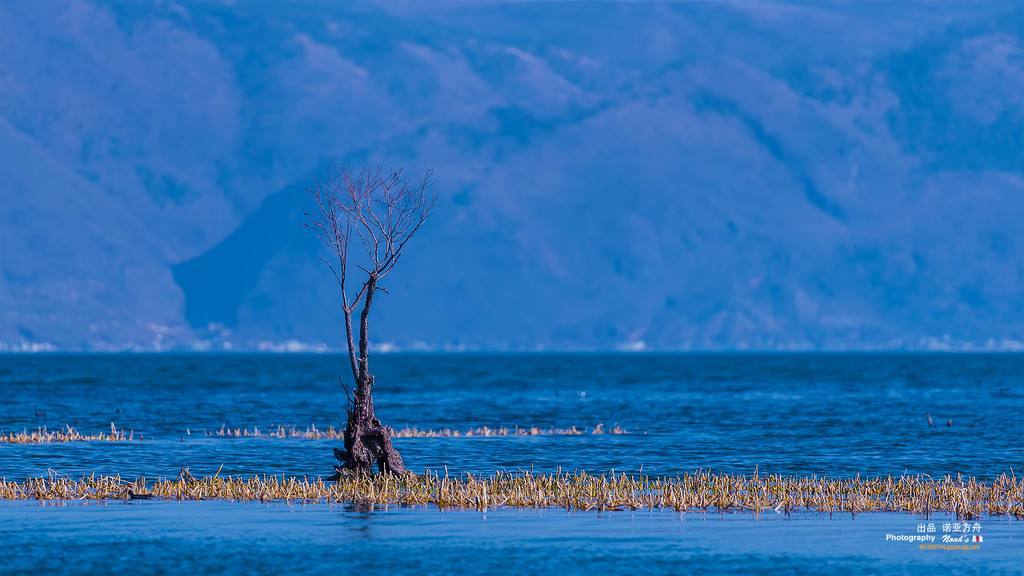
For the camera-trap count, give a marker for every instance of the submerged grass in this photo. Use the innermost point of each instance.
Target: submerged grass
(69, 434)
(967, 498)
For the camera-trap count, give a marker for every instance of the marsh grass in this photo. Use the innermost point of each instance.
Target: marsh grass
(69, 434)
(312, 432)
(965, 497)
(66, 434)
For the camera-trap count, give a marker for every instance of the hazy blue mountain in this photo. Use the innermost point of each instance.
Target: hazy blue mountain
(613, 175)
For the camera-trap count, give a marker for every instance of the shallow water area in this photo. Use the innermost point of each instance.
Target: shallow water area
(239, 538)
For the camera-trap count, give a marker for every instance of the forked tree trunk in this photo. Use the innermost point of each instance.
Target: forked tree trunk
(367, 441)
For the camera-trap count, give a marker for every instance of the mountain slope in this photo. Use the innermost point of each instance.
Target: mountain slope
(613, 175)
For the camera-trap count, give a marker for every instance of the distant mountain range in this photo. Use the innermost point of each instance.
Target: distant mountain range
(634, 176)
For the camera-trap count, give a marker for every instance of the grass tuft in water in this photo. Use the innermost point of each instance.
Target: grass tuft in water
(66, 434)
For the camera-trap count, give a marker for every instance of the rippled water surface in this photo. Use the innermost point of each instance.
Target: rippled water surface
(836, 415)
(794, 414)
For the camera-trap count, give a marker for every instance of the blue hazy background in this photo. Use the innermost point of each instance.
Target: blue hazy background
(614, 175)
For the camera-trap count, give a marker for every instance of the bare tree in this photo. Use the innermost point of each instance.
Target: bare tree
(378, 212)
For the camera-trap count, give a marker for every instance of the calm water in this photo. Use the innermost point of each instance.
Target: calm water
(233, 538)
(795, 414)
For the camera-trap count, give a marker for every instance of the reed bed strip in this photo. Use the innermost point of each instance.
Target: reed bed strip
(967, 498)
(69, 434)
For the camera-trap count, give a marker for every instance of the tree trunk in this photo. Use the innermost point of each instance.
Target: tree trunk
(367, 441)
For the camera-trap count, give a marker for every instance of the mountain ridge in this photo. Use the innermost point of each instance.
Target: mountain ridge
(613, 176)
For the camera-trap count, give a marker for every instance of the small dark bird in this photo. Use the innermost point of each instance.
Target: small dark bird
(930, 423)
(949, 423)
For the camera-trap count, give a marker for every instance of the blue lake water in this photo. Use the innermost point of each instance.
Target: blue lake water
(247, 538)
(835, 415)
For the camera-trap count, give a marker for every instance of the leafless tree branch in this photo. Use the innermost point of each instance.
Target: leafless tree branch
(385, 210)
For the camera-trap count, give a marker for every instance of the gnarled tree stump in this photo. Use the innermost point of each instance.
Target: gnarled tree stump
(367, 441)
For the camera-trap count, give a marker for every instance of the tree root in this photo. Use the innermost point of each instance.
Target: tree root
(366, 446)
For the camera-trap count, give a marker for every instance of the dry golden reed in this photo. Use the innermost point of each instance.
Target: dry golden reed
(66, 434)
(964, 497)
